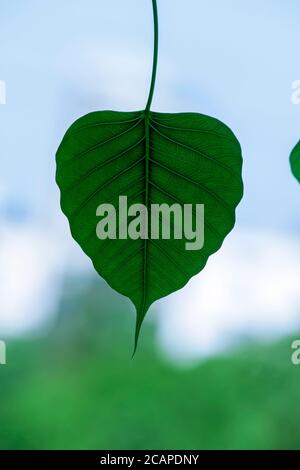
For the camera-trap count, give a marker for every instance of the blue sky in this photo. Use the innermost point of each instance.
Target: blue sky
(234, 59)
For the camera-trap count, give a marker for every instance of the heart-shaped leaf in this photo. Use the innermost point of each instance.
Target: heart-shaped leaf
(151, 158)
(295, 161)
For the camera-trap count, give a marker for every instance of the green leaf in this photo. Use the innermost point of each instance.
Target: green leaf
(152, 158)
(295, 161)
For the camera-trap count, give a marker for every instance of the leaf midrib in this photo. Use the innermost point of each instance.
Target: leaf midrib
(141, 313)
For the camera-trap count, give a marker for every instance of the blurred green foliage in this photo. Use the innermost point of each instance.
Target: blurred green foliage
(77, 388)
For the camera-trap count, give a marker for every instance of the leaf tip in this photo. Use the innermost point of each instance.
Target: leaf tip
(139, 321)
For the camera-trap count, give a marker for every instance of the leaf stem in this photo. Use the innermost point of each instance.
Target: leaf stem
(141, 312)
(155, 55)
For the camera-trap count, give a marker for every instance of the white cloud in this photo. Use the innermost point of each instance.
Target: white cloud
(250, 288)
(30, 278)
(117, 76)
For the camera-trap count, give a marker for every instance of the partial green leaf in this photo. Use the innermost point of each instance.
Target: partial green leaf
(295, 161)
(152, 158)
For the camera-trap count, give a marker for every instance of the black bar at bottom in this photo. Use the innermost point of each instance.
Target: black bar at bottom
(130, 459)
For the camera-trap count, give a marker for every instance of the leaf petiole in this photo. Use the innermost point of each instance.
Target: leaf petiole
(155, 56)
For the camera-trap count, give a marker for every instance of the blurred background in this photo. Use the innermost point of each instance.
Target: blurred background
(214, 369)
